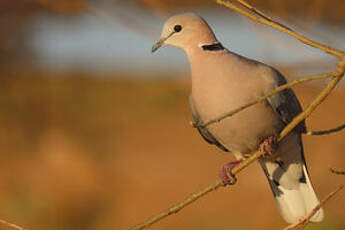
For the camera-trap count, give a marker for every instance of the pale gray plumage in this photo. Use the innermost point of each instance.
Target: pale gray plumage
(223, 81)
(203, 130)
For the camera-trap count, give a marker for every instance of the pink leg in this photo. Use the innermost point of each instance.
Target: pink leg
(225, 173)
(269, 146)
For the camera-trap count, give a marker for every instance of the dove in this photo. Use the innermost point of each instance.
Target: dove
(222, 81)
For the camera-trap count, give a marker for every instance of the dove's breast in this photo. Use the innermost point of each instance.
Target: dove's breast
(225, 85)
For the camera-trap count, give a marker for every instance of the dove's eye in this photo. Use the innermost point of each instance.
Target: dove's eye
(177, 28)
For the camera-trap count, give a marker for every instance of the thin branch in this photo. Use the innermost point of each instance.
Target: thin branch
(174, 209)
(276, 90)
(195, 196)
(11, 225)
(320, 98)
(324, 132)
(325, 48)
(304, 221)
(260, 13)
(338, 172)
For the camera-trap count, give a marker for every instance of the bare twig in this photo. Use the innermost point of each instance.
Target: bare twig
(11, 225)
(195, 196)
(325, 48)
(276, 90)
(260, 13)
(304, 221)
(324, 132)
(322, 96)
(178, 207)
(338, 172)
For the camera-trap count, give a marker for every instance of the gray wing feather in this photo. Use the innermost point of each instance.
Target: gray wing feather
(286, 104)
(203, 130)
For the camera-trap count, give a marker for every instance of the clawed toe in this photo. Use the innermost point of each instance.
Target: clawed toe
(269, 146)
(225, 174)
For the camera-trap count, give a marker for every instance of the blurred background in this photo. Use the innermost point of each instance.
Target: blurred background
(94, 129)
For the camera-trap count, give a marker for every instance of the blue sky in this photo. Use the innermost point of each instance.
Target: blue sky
(96, 43)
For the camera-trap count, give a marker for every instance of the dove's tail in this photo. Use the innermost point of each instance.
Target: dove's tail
(290, 183)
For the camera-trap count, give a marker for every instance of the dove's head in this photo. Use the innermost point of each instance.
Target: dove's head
(185, 31)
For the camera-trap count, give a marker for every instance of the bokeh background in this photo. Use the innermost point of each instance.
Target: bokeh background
(94, 129)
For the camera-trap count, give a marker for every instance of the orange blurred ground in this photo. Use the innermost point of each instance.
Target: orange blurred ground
(87, 153)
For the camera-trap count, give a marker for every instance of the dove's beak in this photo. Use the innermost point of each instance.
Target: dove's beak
(158, 44)
(161, 43)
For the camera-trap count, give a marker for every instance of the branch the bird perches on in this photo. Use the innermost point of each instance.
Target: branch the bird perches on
(335, 76)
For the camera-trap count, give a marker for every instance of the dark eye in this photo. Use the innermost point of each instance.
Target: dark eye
(177, 28)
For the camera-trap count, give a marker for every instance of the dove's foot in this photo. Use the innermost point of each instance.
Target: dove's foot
(226, 175)
(269, 146)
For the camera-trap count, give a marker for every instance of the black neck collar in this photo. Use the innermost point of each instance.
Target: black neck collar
(213, 47)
